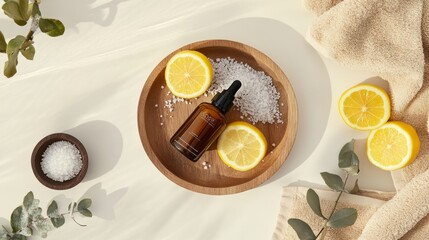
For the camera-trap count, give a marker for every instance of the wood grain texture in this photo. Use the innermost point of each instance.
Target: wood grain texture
(36, 159)
(219, 179)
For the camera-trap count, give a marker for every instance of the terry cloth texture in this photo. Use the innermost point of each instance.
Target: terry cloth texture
(391, 39)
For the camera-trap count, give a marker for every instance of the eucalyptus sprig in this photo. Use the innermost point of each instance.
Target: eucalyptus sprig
(27, 218)
(349, 162)
(21, 11)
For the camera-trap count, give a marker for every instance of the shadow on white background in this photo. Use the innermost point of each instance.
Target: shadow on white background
(103, 142)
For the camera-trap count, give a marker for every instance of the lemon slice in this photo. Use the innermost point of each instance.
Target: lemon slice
(364, 107)
(393, 146)
(188, 74)
(241, 146)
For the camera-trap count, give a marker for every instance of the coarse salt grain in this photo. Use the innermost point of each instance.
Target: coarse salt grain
(257, 99)
(61, 161)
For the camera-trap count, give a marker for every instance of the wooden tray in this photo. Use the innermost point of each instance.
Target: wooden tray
(218, 179)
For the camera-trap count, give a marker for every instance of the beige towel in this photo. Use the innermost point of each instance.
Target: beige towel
(294, 204)
(386, 37)
(391, 39)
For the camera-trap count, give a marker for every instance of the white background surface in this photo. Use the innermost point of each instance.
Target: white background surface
(88, 82)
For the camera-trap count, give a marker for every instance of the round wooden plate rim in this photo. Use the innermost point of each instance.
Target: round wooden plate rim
(291, 129)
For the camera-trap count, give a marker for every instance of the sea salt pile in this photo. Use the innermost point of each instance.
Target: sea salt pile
(257, 99)
(61, 161)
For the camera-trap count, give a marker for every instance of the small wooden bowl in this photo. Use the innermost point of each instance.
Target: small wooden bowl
(219, 179)
(36, 159)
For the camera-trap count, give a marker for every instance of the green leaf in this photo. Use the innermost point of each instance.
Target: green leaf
(86, 212)
(12, 10)
(23, 8)
(343, 218)
(356, 188)
(302, 229)
(348, 147)
(333, 181)
(52, 210)
(3, 43)
(26, 232)
(84, 204)
(10, 68)
(52, 27)
(58, 221)
(43, 226)
(3, 233)
(18, 237)
(347, 159)
(19, 219)
(20, 22)
(28, 200)
(14, 45)
(29, 52)
(12, 50)
(314, 202)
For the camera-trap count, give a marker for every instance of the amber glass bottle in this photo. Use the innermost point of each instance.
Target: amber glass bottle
(204, 125)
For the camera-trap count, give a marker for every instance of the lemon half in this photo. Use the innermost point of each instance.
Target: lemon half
(188, 74)
(364, 107)
(393, 146)
(241, 146)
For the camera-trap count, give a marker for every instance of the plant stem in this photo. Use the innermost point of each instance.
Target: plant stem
(321, 230)
(5, 229)
(82, 225)
(339, 195)
(72, 217)
(29, 38)
(333, 210)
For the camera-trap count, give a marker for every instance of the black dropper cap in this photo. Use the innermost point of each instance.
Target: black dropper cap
(223, 100)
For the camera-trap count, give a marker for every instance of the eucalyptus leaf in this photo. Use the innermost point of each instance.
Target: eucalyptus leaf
(84, 204)
(347, 159)
(19, 219)
(349, 162)
(52, 210)
(302, 229)
(14, 45)
(43, 226)
(356, 188)
(10, 67)
(52, 27)
(3, 232)
(343, 218)
(26, 232)
(20, 22)
(333, 181)
(18, 237)
(12, 10)
(34, 209)
(86, 212)
(314, 202)
(23, 8)
(348, 147)
(58, 221)
(28, 200)
(3, 43)
(29, 52)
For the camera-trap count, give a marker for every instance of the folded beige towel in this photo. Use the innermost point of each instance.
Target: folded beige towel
(367, 203)
(391, 39)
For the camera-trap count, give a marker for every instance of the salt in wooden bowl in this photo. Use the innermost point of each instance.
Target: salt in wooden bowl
(36, 159)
